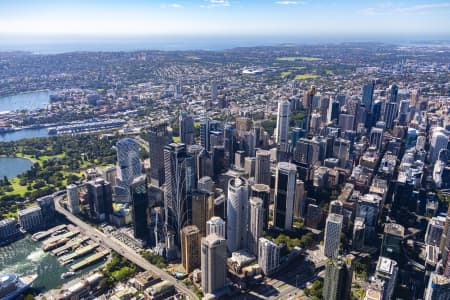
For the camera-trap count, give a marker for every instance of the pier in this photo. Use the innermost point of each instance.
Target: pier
(77, 253)
(89, 260)
(38, 236)
(59, 240)
(70, 246)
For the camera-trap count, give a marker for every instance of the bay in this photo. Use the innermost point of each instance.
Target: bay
(28, 101)
(13, 166)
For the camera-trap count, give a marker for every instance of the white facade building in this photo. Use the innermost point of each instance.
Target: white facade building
(216, 225)
(237, 214)
(268, 256)
(256, 224)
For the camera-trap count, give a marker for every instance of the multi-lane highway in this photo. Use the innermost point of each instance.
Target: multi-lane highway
(121, 248)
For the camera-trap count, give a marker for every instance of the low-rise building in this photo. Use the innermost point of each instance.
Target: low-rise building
(159, 291)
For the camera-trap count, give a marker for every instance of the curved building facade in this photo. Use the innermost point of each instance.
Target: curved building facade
(237, 214)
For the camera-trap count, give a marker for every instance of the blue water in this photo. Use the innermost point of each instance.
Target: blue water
(23, 134)
(28, 101)
(13, 166)
(50, 44)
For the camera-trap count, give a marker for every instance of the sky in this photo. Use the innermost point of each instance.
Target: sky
(225, 17)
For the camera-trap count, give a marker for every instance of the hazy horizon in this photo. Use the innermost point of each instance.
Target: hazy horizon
(60, 43)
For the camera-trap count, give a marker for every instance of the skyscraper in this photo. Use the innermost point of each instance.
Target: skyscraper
(376, 138)
(186, 127)
(140, 204)
(299, 200)
(333, 230)
(308, 104)
(255, 230)
(214, 92)
(262, 167)
(100, 199)
(129, 165)
(237, 214)
(338, 278)
(202, 209)
(393, 93)
(204, 134)
(284, 195)
(438, 287)
(367, 97)
(439, 141)
(282, 129)
(368, 208)
(176, 203)
(229, 144)
(158, 139)
(333, 111)
(216, 225)
(213, 263)
(47, 205)
(346, 121)
(390, 113)
(387, 270)
(262, 191)
(190, 248)
(268, 256)
(392, 240)
(72, 197)
(403, 112)
(306, 151)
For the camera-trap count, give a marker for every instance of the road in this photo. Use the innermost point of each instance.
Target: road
(142, 143)
(120, 248)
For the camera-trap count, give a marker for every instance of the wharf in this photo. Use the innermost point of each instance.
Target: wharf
(89, 260)
(59, 240)
(71, 246)
(38, 236)
(77, 253)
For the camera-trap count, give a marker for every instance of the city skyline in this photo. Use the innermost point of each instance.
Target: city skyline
(371, 19)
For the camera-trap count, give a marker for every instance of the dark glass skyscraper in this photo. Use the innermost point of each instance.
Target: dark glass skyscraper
(99, 194)
(367, 98)
(186, 128)
(158, 139)
(139, 201)
(176, 203)
(338, 278)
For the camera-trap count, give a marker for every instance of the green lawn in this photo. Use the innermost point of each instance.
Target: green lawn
(176, 139)
(306, 76)
(294, 58)
(17, 188)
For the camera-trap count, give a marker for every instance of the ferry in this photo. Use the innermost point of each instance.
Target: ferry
(67, 275)
(12, 286)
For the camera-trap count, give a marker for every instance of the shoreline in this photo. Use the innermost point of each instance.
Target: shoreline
(23, 93)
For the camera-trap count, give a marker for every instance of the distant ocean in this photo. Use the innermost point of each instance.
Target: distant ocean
(61, 44)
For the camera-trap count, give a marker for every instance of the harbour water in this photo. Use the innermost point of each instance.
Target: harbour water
(25, 257)
(13, 166)
(28, 101)
(23, 134)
